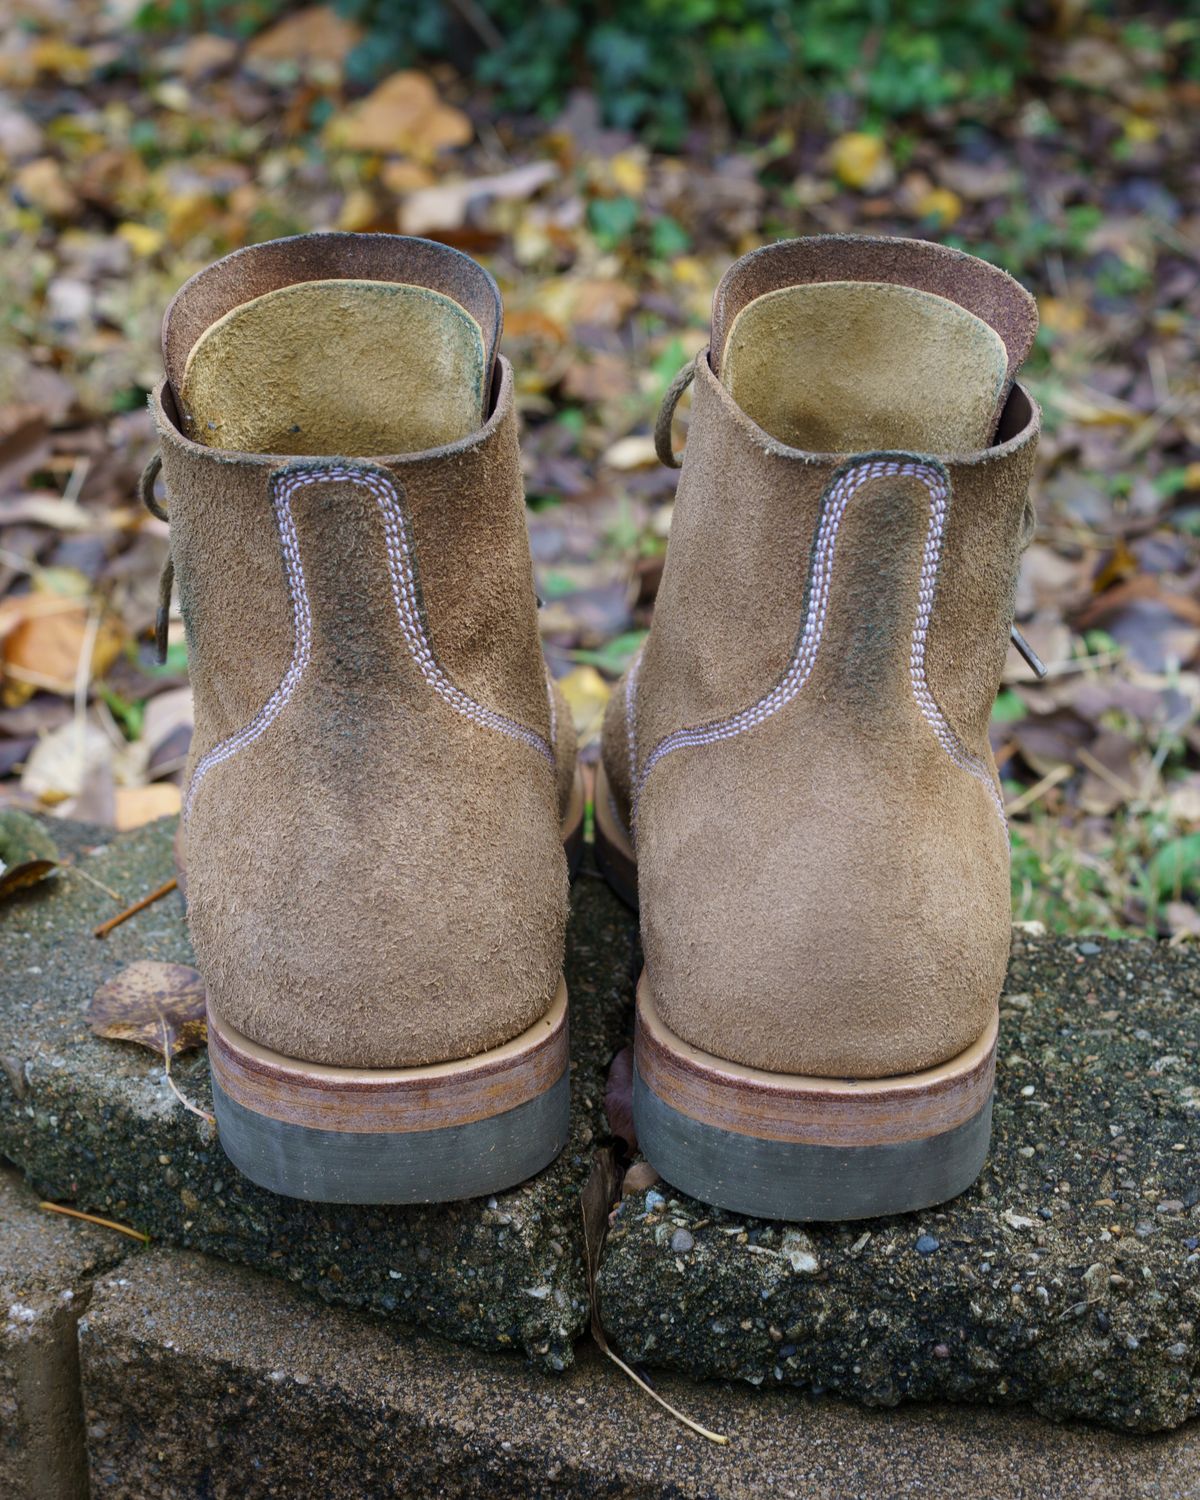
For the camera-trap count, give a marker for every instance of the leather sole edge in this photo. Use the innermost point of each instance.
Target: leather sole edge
(403, 1135)
(800, 1148)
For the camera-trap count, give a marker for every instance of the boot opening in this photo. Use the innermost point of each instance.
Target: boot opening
(355, 368)
(851, 366)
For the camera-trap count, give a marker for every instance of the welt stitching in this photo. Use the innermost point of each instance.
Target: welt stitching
(401, 570)
(804, 657)
(301, 651)
(938, 500)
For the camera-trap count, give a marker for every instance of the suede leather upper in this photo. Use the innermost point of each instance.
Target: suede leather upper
(375, 876)
(825, 891)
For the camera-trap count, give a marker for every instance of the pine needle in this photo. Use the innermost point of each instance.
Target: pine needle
(78, 1213)
(123, 916)
(594, 1203)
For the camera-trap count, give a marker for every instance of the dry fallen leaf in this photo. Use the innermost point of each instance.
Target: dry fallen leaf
(61, 762)
(861, 161)
(587, 696)
(445, 206)
(405, 116)
(634, 452)
(152, 1004)
(41, 183)
(599, 1194)
(44, 651)
(27, 852)
(316, 36)
(401, 176)
(618, 1099)
(136, 805)
(205, 54)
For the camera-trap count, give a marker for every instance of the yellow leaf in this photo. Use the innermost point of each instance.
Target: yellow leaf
(940, 204)
(405, 116)
(690, 271)
(62, 60)
(587, 696)
(861, 161)
(188, 215)
(141, 239)
(628, 172)
(358, 211)
(142, 804)
(1060, 315)
(1139, 131)
(42, 184)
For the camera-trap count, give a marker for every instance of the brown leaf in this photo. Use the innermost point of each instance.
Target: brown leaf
(27, 852)
(41, 184)
(599, 1194)
(618, 1099)
(1050, 740)
(151, 1004)
(405, 116)
(44, 635)
(314, 35)
(446, 205)
(24, 441)
(205, 54)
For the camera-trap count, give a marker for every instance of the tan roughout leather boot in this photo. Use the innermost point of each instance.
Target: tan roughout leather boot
(382, 777)
(800, 755)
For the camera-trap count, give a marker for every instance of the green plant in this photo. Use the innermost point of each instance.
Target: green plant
(654, 63)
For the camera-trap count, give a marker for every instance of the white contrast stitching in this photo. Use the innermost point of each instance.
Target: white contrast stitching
(939, 495)
(804, 658)
(301, 650)
(400, 560)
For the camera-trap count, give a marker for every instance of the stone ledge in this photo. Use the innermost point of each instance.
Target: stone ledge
(203, 1380)
(1068, 1277)
(95, 1122)
(46, 1267)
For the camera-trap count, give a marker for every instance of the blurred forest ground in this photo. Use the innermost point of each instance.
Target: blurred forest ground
(607, 162)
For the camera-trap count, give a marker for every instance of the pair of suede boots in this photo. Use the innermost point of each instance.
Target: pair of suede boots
(382, 806)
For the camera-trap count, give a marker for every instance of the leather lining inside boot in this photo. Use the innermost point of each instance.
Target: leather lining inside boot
(356, 368)
(851, 366)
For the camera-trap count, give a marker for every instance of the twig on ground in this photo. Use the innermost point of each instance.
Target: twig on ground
(76, 869)
(78, 1213)
(1098, 768)
(1031, 794)
(123, 916)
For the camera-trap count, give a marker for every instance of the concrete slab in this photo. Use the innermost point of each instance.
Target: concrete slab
(203, 1380)
(1068, 1277)
(47, 1264)
(95, 1122)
